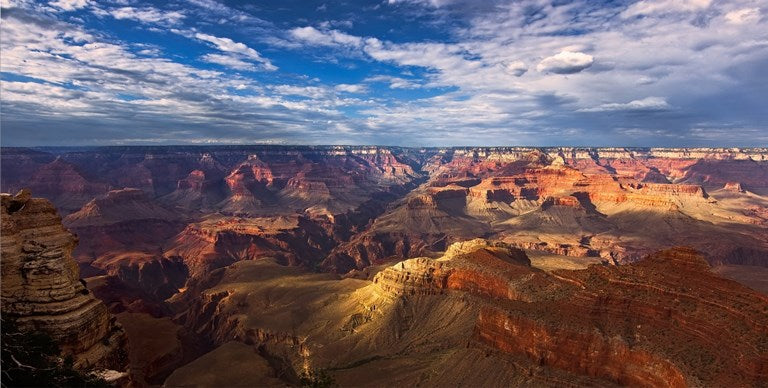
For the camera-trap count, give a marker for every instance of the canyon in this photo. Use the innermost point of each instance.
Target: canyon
(394, 265)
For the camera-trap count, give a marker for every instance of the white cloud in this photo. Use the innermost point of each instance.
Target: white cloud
(649, 7)
(645, 80)
(85, 84)
(304, 91)
(693, 53)
(237, 53)
(646, 104)
(317, 37)
(431, 3)
(516, 68)
(565, 62)
(449, 60)
(147, 15)
(228, 45)
(228, 61)
(219, 13)
(351, 88)
(69, 5)
(743, 16)
(394, 82)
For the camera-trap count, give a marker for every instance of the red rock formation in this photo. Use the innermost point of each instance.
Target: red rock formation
(567, 201)
(62, 183)
(246, 192)
(158, 277)
(18, 165)
(261, 171)
(199, 190)
(610, 358)
(475, 266)
(666, 320)
(220, 242)
(456, 205)
(119, 222)
(716, 173)
(501, 192)
(41, 287)
(557, 249)
(122, 236)
(119, 206)
(733, 186)
(137, 176)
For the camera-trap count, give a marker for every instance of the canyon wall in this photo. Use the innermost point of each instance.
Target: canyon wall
(663, 321)
(481, 309)
(42, 290)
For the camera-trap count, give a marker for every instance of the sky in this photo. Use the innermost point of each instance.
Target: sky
(661, 73)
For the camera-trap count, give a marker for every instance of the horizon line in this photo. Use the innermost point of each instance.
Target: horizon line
(369, 145)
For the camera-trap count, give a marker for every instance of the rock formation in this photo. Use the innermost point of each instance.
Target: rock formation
(665, 302)
(42, 290)
(734, 186)
(122, 235)
(64, 184)
(548, 202)
(218, 242)
(481, 311)
(231, 243)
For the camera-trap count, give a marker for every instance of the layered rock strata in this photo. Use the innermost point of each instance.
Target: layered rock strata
(480, 314)
(42, 290)
(664, 321)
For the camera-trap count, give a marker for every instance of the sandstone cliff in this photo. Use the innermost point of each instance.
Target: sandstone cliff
(42, 290)
(664, 321)
(481, 315)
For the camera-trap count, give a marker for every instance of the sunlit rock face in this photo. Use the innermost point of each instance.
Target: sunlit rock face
(630, 317)
(616, 203)
(482, 309)
(42, 290)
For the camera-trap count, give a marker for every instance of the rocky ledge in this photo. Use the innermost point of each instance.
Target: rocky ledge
(42, 290)
(664, 321)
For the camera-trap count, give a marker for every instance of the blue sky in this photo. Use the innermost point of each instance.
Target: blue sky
(388, 72)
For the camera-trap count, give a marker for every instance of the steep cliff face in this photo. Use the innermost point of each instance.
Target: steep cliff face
(478, 266)
(42, 288)
(680, 324)
(664, 321)
(610, 358)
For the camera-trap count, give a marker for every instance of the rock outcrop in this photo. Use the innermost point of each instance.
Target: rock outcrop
(666, 320)
(734, 186)
(481, 309)
(217, 242)
(42, 290)
(122, 235)
(548, 199)
(64, 184)
(530, 195)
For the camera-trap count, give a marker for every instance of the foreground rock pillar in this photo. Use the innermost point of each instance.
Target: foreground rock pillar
(42, 290)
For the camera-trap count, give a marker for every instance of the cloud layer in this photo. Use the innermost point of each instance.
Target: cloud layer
(536, 72)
